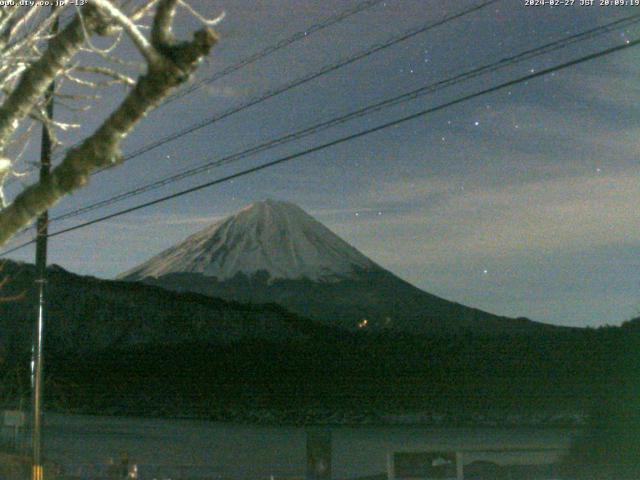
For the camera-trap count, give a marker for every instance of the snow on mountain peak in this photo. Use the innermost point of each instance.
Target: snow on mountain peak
(273, 236)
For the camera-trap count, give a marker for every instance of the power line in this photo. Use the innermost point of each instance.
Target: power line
(348, 138)
(274, 48)
(300, 35)
(305, 79)
(295, 83)
(503, 63)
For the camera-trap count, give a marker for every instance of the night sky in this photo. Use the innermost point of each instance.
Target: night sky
(522, 202)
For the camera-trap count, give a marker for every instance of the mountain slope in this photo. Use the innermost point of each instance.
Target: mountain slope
(276, 237)
(274, 252)
(87, 314)
(128, 348)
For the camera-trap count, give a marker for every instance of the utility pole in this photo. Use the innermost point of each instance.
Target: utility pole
(318, 454)
(42, 231)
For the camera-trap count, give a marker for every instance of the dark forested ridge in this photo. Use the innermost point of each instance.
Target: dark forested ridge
(123, 348)
(384, 300)
(86, 314)
(464, 375)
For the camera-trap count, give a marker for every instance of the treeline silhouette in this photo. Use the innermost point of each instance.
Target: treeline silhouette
(461, 376)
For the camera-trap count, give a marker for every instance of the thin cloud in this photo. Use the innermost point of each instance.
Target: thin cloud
(565, 214)
(144, 221)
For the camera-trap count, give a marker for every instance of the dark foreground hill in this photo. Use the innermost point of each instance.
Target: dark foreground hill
(552, 380)
(86, 314)
(126, 348)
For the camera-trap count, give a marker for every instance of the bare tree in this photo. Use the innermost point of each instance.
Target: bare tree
(31, 58)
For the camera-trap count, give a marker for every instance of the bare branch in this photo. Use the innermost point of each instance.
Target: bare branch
(22, 140)
(40, 74)
(34, 35)
(161, 33)
(71, 108)
(5, 171)
(40, 116)
(6, 23)
(210, 22)
(26, 72)
(143, 11)
(107, 72)
(78, 97)
(22, 21)
(147, 50)
(104, 52)
(103, 147)
(138, 66)
(79, 81)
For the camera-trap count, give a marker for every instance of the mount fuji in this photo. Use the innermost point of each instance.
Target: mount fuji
(277, 238)
(274, 252)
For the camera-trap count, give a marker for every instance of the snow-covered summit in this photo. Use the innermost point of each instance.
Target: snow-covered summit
(273, 236)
